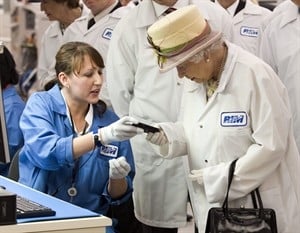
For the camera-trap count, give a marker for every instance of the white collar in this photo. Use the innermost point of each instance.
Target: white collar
(88, 116)
(231, 9)
(103, 13)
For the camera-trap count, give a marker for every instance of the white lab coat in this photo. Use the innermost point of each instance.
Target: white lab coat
(262, 139)
(51, 41)
(137, 88)
(247, 25)
(281, 49)
(98, 36)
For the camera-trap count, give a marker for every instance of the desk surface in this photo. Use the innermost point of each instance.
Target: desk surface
(68, 218)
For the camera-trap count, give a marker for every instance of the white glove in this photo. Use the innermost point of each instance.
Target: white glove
(158, 138)
(119, 131)
(196, 175)
(118, 168)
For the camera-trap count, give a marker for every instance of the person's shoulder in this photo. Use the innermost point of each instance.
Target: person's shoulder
(121, 11)
(127, 13)
(282, 6)
(49, 97)
(127, 22)
(52, 29)
(212, 11)
(12, 97)
(79, 20)
(205, 5)
(243, 57)
(284, 9)
(283, 15)
(253, 8)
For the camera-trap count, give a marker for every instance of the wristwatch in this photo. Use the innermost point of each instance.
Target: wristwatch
(97, 138)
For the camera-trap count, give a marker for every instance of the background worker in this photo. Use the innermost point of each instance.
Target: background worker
(12, 102)
(62, 13)
(96, 29)
(284, 55)
(247, 18)
(136, 88)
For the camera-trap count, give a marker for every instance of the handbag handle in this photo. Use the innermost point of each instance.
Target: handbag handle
(253, 193)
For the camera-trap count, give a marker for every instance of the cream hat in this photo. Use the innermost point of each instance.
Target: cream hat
(180, 35)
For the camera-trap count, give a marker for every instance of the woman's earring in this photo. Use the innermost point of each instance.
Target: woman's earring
(206, 56)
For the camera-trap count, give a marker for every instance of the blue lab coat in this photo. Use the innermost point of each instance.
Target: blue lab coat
(13, 107)
(46, 160)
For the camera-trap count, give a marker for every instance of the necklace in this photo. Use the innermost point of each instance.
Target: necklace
(212, 84)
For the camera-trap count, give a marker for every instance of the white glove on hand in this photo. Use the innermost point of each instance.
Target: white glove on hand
(196, 175)
(118, 168)
(158, 138)
(119, 131)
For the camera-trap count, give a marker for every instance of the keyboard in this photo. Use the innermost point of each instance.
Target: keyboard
(29, 209)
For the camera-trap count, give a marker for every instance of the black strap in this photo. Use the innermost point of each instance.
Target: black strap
(230, 176)
(253, 193)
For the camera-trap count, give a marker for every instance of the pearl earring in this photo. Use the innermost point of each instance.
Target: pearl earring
(207, 60)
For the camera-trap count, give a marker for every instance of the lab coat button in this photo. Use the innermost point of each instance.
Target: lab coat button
(201, 126)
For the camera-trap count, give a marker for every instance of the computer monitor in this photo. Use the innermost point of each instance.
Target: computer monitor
(4, 150)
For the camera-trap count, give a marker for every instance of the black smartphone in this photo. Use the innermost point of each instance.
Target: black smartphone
(147, 127)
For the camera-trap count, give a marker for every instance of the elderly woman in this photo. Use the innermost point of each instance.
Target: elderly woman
(234, 106)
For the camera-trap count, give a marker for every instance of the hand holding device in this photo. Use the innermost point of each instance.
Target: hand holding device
(147, 127)
(197, 175)
(119, 131)
(118, 168)
(158, 138)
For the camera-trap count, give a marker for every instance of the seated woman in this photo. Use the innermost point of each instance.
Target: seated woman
(13, 104)
(75, 149)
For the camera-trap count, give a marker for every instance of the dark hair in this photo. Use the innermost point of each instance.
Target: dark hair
(70, 3)
(69, 59)
(8, 72)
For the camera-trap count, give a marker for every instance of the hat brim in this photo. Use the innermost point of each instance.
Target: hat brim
(174, 61)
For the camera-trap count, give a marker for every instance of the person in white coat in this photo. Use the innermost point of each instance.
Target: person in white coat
(137, 88)
(62, 13)
(104, 16)
(247, 20)
(233, 106)
(280, 48)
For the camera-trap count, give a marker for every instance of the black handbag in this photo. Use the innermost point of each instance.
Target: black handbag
(245, 220)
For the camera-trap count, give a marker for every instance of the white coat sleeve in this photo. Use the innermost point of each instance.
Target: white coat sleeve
(176, 145)
(43, 64)
(266, 50)
(120, 72)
